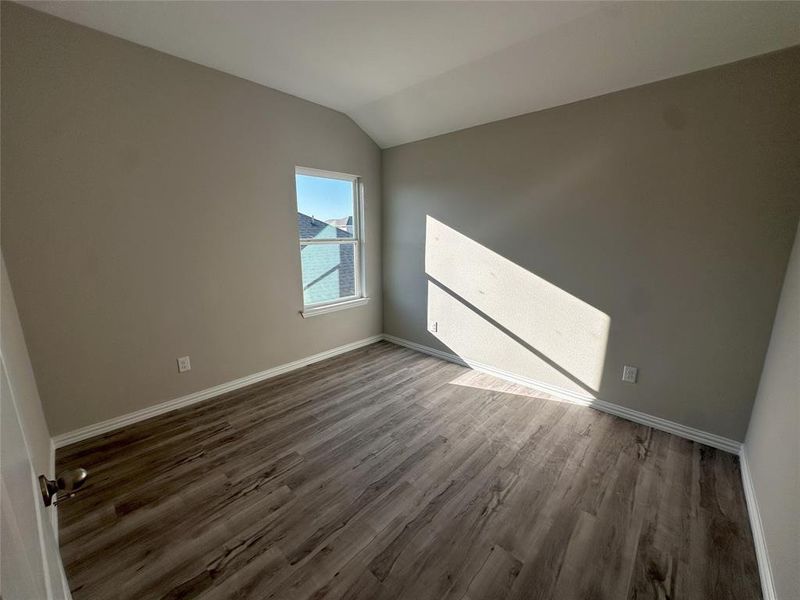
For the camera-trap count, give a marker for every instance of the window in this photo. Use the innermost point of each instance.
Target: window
(329, 220)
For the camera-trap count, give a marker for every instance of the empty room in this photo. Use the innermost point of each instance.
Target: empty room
(374, 300)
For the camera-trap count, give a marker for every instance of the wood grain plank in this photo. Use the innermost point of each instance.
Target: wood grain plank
(385, 474)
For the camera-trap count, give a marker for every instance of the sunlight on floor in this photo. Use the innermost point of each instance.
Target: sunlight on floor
(484, 381)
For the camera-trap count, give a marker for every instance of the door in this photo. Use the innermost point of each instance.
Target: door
(30, 565)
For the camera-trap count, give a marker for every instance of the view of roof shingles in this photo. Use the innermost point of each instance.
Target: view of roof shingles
(311, 228)
(328, 269)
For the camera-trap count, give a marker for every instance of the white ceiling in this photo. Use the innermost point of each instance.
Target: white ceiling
(408, 70)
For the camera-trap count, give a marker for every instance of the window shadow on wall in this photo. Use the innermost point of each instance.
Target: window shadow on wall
(489, 310)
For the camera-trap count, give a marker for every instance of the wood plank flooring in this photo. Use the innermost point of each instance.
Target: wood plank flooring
(385, 473)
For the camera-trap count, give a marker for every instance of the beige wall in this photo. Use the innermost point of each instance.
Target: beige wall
(649, 227)
(148, 213)
(772, 445)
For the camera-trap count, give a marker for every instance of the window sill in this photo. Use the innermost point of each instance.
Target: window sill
(329, 308)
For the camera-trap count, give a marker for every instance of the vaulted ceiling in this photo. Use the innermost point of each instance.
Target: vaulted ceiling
(408, 70)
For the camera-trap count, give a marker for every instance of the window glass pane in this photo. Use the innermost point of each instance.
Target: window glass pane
(328, 272)
(324, 207)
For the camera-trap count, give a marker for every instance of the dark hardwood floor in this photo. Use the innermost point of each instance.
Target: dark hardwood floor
(385, 473)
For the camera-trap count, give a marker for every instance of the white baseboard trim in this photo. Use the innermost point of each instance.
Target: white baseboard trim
(756, 526)
(684, 431)
(690, 433)
(78, 435)
(426, 349)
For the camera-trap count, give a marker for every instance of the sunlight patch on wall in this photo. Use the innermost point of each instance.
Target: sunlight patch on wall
(490, 310)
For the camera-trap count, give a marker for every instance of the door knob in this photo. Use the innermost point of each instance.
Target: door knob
(68, 482)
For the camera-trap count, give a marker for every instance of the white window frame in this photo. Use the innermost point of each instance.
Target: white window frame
(359, 298)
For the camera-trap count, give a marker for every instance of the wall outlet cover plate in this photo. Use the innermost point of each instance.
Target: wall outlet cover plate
(629, 374)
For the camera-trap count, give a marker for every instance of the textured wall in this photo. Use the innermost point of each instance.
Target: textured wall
(149, 213)
(649, 227)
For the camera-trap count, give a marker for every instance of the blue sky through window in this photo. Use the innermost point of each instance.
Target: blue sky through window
(324, 198)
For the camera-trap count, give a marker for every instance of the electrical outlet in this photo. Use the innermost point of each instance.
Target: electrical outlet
(433, 326)
(184, 364)
(630, 374)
